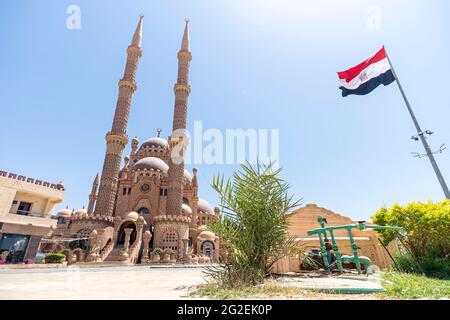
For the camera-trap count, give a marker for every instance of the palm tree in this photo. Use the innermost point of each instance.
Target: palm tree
(253, 226)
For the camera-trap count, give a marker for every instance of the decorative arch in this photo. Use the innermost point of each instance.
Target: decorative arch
(121, 232)
(207, 248)
(143, 203)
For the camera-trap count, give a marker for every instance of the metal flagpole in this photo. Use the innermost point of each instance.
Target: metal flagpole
(421, 135)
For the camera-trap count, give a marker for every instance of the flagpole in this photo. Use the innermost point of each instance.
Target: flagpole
(421, 134)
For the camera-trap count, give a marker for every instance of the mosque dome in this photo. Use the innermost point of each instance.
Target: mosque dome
(187, 175)
(81, 213)
(133, 215)
(65, 213)
(185, 209)
(204, 206)
(155, 142)
(151, 163)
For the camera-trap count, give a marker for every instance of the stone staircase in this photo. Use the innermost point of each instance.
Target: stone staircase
(114, 255)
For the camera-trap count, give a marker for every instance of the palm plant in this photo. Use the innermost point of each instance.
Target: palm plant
(253, 226)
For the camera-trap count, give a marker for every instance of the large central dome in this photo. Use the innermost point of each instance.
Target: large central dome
(150, 163)
(155, 142)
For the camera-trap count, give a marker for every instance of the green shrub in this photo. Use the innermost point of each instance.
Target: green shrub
(429, 266)
(54, 258)
(425, 236)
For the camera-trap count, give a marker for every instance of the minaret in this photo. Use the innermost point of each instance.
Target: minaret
(93, 195)
(176, 165)
(117, 139)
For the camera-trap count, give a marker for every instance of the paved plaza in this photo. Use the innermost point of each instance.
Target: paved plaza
(137, 282)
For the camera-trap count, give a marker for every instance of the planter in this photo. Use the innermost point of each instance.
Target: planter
(156, 258)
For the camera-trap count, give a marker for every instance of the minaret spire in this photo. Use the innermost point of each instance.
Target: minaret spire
(182, 91)
(177, 143)
(137, 37)
(185, 41)
(93, 196)
(117, 139)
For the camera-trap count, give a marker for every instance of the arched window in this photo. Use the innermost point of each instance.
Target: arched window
(185, 200)
(170, 240)
(143, 211)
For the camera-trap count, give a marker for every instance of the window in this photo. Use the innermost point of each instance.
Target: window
(143, 211)
(124, 191)
(16, 245)
(129, 191)
(185, 200)
(170, 240)
(61, 220)
(24, 208)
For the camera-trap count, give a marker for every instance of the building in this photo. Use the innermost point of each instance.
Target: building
(25, 214)
(305, 218)
(147, 208)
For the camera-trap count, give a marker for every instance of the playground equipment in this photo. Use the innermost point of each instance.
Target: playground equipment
(355, 258)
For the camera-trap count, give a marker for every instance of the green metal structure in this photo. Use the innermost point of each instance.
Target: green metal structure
(355, 258)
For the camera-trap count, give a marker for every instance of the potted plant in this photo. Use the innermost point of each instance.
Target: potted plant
(156, 257)
(3, 257)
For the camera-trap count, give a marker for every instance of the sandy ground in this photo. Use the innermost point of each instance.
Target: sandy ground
(99, 283)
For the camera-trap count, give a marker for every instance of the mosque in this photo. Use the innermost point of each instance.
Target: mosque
(147, 209)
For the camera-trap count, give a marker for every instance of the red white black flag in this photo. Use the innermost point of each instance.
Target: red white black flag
(366, 76)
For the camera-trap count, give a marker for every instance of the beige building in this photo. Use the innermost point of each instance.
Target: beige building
(25, 214)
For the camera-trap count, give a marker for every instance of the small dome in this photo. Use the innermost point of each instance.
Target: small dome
(155, 142)
(133, 216)
(204, 206)
(185, 209)
(66, 213)
(207, 235)
(81, 213)
(187, 175)
(151, 163)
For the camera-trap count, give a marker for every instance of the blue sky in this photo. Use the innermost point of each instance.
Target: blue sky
(256, 64)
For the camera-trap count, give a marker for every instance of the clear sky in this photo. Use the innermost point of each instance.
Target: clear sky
(256, 64)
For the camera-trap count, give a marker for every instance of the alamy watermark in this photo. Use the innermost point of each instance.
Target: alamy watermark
(229, 146)
(73, 21)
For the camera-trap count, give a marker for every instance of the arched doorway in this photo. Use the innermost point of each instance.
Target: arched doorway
(121, 234)
(207, 248)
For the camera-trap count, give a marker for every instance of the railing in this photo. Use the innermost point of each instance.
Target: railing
(133, 251)
(33, 214)
(106, 251)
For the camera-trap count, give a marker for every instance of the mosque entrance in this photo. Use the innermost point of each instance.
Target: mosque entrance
(121, 235)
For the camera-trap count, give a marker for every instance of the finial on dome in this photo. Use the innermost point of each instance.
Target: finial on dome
(158, 132)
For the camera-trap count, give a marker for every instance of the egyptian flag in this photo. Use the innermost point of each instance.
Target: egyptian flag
(366, 76)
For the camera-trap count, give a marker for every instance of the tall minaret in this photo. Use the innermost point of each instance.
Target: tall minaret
(176, 165)
(117, 139)
(93, 195)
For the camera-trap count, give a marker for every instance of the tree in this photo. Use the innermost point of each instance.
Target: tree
(253, 226)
